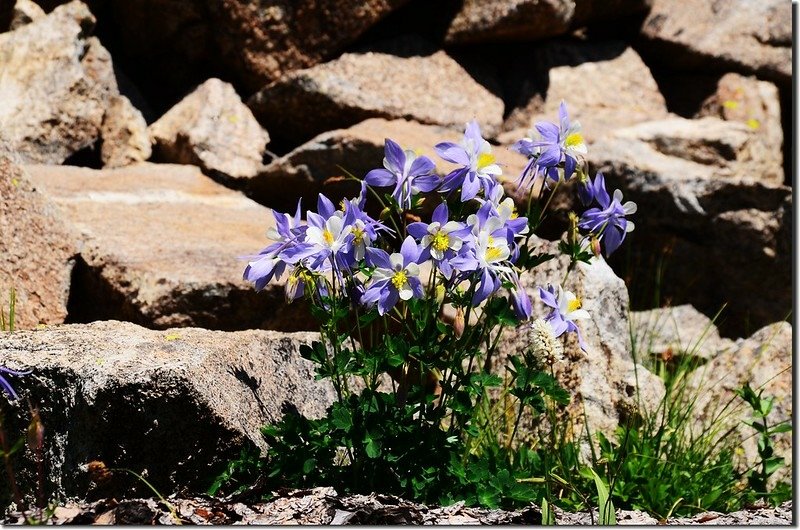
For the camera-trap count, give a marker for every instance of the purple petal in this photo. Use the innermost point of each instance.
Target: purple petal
(388, 299)
(378, 258)
(612, 239)
(421, 166)
(418, 230)
(569, 166)
(470, 188)
(325, 207)
(548, 297)
(452, 152)
(473, 132)
(426, 183)
(549, 157)
(409, 250)
(380, 178)
(563, 117)
(440, 214)
(454, 179)
(395, 156)
(549, 132)
(600, 193)
(486, 288)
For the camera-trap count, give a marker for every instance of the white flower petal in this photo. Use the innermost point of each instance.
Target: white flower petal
(630, 226)
(396, 260)
(629, 207)
(412, 269)
(405, 292)
(618, 195)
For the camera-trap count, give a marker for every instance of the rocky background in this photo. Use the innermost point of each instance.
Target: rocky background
(143, 143)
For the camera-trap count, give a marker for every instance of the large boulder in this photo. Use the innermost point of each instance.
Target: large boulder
(605, 85)
(38, 251)
(525, 20)
(764, 360)
(741, 35)
(56, 85)
(24, 12)
(608, 385)
(171, 405)
(319, 164)
(706, 188)
(355, 87)
(162, 245)
(211, 128)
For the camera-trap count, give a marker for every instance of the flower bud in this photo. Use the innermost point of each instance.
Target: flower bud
(572, 232)
(385, 213)
(440, 291)
(595, 246)
(458, 322)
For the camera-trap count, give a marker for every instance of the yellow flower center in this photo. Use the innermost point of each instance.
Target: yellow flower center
(514, 213)
(485, 159)
(358, 236)
(492, 253)
(327, 236)
(574, 305)
(573, 140)
(399, 279)
(440, 241)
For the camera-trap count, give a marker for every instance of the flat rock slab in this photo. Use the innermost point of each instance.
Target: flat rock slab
(160, 247)
(749, 37)
(357, 86)
(322, 506)
(175, 405)
(37, 251)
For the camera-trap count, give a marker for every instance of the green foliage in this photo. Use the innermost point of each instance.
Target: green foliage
(7, 319)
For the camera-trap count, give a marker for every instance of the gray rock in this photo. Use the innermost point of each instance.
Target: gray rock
(765, 361)
(706, 188)
(605, 381)
(211, 128)
(749, 37)
(606, 85)
(24, 12)
(124, 135)
(38, 251)
(171, 405)
(162, 245)
(56, 86)
(526, 20)
(671, 332)
(355, 87)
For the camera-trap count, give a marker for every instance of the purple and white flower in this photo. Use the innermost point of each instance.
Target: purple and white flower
(270, 263)
(566, 309)
(396, 277)
(563, 142)
(408, 173)
(609, 222)
(441, 239)
(477, 170)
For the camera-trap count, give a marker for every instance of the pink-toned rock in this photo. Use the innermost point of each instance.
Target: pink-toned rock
(526, 20)
(124, 135)
(38, 251)
(55, 87)
(749, 37)
(355, 87)
(211, 128)
(24, 12)
(160, 246)
(605, 85)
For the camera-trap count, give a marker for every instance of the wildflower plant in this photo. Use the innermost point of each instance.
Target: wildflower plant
(411, 311)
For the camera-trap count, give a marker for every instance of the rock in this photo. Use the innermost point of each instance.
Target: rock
(526, 20)
(706, 188)
(605, 85)
(211, 128)
(161, 246)
(124, 134)
(765, 361)
(740, 35)
(606, 383)
(24, 12)
(38, 251)
(56, 87)
(358, 149)
(674, 332)
(175, 405)
(355, 87)
(752, 102)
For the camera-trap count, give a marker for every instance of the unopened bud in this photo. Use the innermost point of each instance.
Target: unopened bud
(572, 233)
(385, 213)
(458, 322)
(595, 246)
(440, 291)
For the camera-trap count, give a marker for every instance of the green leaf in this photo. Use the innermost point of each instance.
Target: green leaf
(548, 517)
(781, 427)
(309, 465)
(608, 515)
(373, 448)
(341, 418)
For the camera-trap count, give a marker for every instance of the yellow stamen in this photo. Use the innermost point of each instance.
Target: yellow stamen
(574, 305)
(492, 253)
(399, 279)
(573, 140)
(358, 236)
(440, 242)
(327, 236)
(485, 159)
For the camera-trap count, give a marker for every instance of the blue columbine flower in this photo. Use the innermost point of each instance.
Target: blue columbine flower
(566, 308)
(564, 141)
(441, 239)
(6, 385)
(396, 277)
(478, 168)
(609, 221)
(408, 173)
(269, 263)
